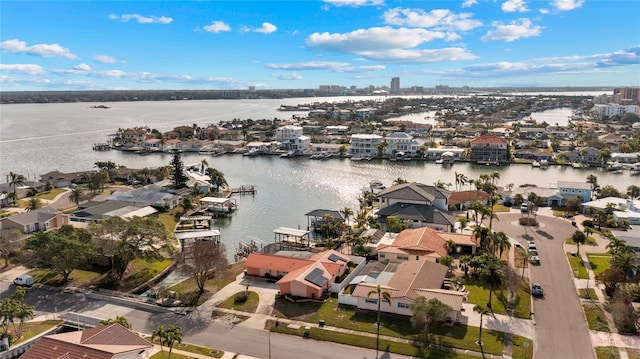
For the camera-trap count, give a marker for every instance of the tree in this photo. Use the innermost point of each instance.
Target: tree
(178, 178)
(463, 223)
(578, 238)
(396, 225)
(450, 245)
(187, 204)
(398, 181)
(446, 260)
(633, 191)
(464, 263)
(610, 191)
(76, 195)
(16, 180)
(9, 243)
(382, 295)
(167, 337)
(484, 235)
(347, 212)
(500, 242)
(426, 313)
(482, 310)
(610, 278)
(616, 245)
(491, 274)
(61, 251)
(600, 217)
(33, 203)
(118, 319)
(125, 240)
(216, 178)
(461, 180)
(202, 259)
(203, 165)
(626, 261)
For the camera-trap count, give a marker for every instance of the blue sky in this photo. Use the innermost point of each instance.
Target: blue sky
(105, 45)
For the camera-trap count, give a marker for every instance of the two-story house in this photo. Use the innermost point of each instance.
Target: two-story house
(489, 148)
(364, 145)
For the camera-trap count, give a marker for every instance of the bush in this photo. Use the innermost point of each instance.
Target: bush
(528, 221)
(507, 203)
(241, 297)
(588, 223)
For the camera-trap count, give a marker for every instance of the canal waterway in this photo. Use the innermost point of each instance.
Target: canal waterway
(37, 138)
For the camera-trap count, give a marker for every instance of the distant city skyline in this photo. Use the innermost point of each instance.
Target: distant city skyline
(153, 45)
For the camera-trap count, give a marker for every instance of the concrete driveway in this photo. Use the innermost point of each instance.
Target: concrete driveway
(561, 328)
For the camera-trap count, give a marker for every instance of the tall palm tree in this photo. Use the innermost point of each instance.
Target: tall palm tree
(616, 245)
(450, 245)
(491, 274)
(382, 295)
(464, 263)
(500, 243)
(15, 180)
(482, 310)
(76, 195)
(578, 238)
(33, 203)
(626, 261)
(483, 234)
(203, 165)
(167, 337)
(347, 212)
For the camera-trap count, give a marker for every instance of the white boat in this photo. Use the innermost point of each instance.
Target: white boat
(535, 164)
(544, 163)
(614, 166)
(635, 168)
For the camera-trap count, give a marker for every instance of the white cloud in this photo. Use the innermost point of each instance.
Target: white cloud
(217, 26)
(288, 76)
(355, 3)
(566, 5)
(544, 11)
(521, 28)
(514, 6)
(469, 3)
(422, 56)
(439, 19)
(45, 50)
(142, 19)
(267, 28)
(28, 69)
(82, 67)
(105, 59)
(325, 65)
(372, 39)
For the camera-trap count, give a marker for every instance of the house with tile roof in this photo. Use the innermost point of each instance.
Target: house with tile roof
(405, 282)
(462, 199)
(42, 219)
(104, 342)
(420, 204)
(489, 148)
(422, 243)
(301, 277)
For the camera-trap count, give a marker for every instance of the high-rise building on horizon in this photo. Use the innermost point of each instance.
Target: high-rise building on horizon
(395, 85)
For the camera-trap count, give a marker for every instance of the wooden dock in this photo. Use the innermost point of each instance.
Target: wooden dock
(245, 189)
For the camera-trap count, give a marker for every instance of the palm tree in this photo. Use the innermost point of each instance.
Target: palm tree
(491, 274)
(578, 238)
(626, 261)
(500, 242)
(25, 312)
(382, 295)
(76, 195)
(203, 165)
(482, 310)
(464, 264)
(33, 203)
(616, 245)
(120, 320)
(483, 234)
(450, 245)
(216, 178)
(426, 313)
(167, 337)
(347, 212)
(398, 181)
(463, 223)
(15, 180)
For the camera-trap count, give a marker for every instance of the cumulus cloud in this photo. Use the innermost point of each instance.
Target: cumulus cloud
(325, 65)
(27, 69)
(469, 3)
(567, 5)
(517, 29)
(105, 59)
(288, 76)
(439, 19)
(82, 67)
(354, 3)
(514, 6)
(142, 19)
(217, 26)
(45, 50)
(267, 28)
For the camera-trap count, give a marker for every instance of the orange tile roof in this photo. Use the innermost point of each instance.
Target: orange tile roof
(464, 196)
(489, 139)
(425, 240)
(274, 262)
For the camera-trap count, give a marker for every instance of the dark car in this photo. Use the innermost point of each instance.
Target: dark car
(536, 290)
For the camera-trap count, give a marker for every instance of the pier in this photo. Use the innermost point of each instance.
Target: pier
(244, 189)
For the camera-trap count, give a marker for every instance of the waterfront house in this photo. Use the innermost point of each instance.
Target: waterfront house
(111, 341)
(412, 245)
(42, 219)
(132, 136)
(61, 180)
(627, 158)
(419, 204)
(571, 189)
(284, 133)
(306, 275)
(399, 142)
(622, 209)
(318, 217)
(405, 282)
(155, 196)
(437, 153)
(328, 148)
(364, 113)
(364, 145)
(298, 144)
(462, 199)
(489, 149)
(97, 211)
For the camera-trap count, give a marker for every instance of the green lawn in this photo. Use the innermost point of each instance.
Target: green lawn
(191, 348)
(607, 353)
(599, 262)
(590, 241)
(457, 336)
(77, 278)
(578, 265)
(478, 294)
(168, 220)
(596, 318)
(32, 329)
(142, 270)
(50, 195)
(519, 349)
(634, 353)
(188, 288)
(497, 208)
(589, 293)
(249, 306)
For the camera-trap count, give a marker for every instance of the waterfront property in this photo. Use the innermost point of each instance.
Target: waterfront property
(42, 219)
(100, 210)
(153, 195)
(489, 149)
(364, 145)
(422, 243)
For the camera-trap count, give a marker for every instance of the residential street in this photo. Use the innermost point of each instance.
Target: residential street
(561, 329)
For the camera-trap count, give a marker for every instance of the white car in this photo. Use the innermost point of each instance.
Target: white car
(532, 246)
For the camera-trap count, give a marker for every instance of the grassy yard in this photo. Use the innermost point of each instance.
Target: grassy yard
(249, 306)
(370, 343)
(478, 294)
(587, 293)
(634, 353)
(607, 353)
(457, 336)
(191, 348)
(142, 270)
(590, 241)
(168, 220)
(31, 329)
(596, 318)
(187, 287)
(519, 349)
(578, 265)
(497, 208)
(50, 195)
(599, 262)
(77, 278)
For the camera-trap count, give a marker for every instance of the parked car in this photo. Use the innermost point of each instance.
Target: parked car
(532, 246)
(536, 290)
(24, 280)
(524, 208)
(534, 259)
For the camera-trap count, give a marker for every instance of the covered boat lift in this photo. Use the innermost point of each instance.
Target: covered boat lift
(218, 204)
(291, 235)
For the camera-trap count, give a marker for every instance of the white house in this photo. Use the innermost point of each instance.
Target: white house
(364, 145)
(286, 132)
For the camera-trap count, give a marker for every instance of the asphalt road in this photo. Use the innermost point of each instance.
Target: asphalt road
(561, 329)
(198, 328)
